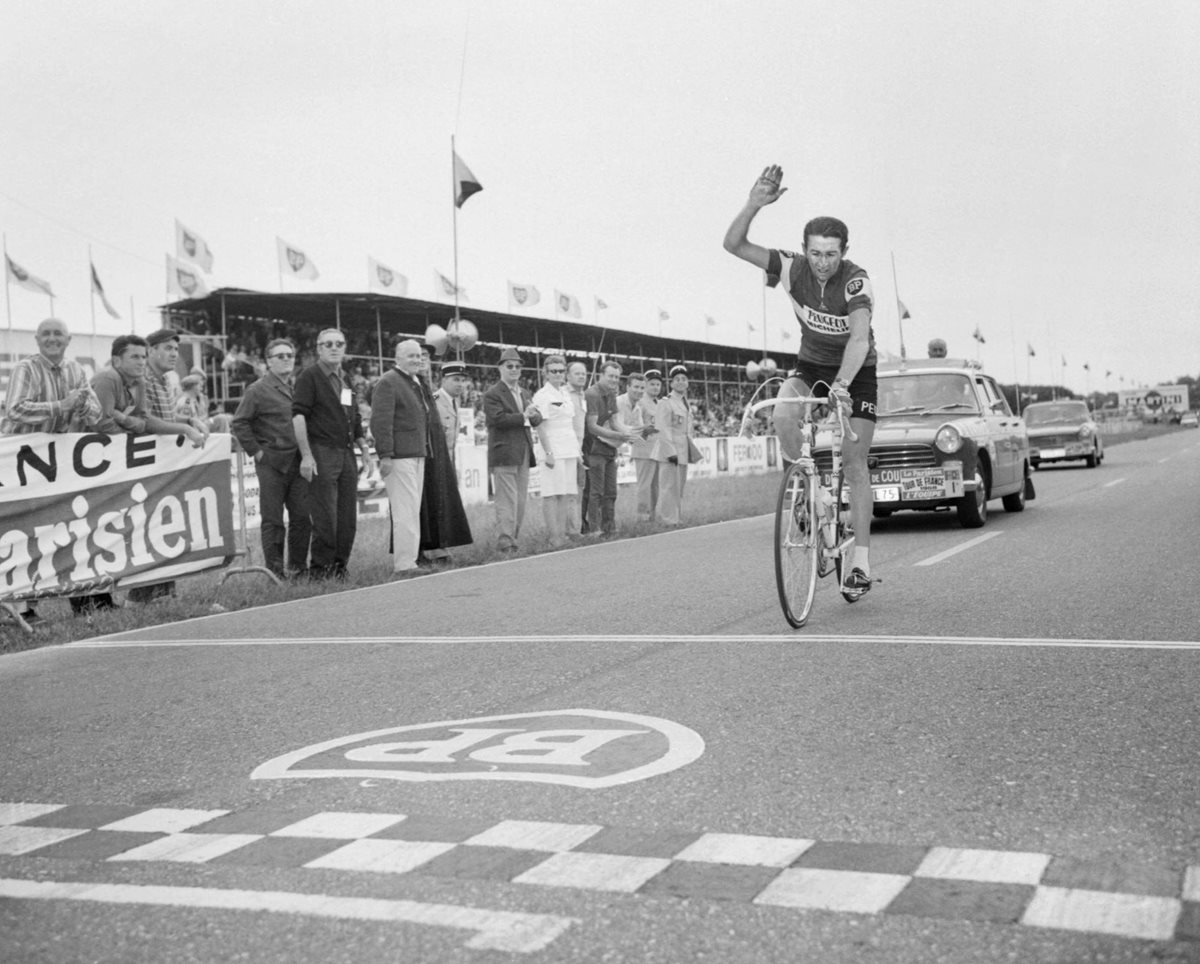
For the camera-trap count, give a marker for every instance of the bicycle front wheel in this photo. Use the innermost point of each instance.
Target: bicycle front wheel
(797, 542)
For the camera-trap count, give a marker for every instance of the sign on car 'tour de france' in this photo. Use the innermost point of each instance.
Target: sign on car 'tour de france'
(583, 748)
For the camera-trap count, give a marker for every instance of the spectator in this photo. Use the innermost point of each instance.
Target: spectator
(509, 412)
(937, 348)
(444, 522)
(605, 432)
(638, 417)
(400, 425)
(648, 490)
(49, 392)
(192, 406)
(328, 425)
(577, 374)
(560, 447)
(674, 445)
(263, 427)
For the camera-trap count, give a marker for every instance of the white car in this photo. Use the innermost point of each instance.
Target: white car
(1189, 420)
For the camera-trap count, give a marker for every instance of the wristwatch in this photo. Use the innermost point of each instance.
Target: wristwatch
(841, 382)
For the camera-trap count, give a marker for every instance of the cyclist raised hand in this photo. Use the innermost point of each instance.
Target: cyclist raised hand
(832, 299)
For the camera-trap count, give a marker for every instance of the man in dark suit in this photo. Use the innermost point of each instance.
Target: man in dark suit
(400, 425)
(509, 412)
(328, 424)
(263, 427)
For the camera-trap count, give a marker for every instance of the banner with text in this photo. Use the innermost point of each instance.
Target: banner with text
(89, 512)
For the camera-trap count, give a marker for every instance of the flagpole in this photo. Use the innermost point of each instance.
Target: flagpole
(899, 312)
(92, 297)
(454, 210)
(7, 299)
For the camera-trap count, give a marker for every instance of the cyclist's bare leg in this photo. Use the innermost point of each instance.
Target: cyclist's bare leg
(858, 478)
(786, 418)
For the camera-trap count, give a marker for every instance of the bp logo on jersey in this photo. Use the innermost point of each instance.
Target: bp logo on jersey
(575, 748)
(858, 286)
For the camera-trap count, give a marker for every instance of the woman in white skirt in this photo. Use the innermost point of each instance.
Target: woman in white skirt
(560, 447)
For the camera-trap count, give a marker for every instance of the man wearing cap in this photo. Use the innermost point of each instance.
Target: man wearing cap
(454, 384)
(509, 412)
(400, 426)
(937, 348)
(263, 427)
(577, 376)
(673, 444)
(328, 426)
(643, 452)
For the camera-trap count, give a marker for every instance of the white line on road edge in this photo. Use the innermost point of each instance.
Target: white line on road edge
(499, 930)
(1109, 485)
(932, 560)
(794, 638)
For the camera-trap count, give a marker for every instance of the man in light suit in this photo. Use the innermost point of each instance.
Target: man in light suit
(399, 423)
(673, 419)
(509, 413)
(637, 409)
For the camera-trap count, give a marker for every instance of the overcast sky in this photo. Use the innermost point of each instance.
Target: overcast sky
(1033, 167)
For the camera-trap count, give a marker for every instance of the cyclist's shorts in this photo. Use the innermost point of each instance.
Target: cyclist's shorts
(864, 390)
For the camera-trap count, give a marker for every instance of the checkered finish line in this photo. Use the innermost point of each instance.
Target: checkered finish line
(998, 886)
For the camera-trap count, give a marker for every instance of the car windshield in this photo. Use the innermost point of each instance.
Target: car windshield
(926, 393)
(1059, 413)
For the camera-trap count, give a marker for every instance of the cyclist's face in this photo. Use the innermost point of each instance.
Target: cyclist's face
(824, 255)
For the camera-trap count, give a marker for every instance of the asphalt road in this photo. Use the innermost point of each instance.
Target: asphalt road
(622, 753)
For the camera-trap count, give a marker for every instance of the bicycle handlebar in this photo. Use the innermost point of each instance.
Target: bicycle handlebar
(835, 414)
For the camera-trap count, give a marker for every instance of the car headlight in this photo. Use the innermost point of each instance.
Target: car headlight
(1085, 432)
(948, 439)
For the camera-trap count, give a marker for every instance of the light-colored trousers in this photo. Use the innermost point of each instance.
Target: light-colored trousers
(404, 485)
(510, 485)
(647, 487)
(671, 480)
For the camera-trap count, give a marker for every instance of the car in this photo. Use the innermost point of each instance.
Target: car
(1063, 431)
(1189, 420)
(945, 438)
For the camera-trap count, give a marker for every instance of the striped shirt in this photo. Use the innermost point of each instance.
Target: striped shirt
(36, 391)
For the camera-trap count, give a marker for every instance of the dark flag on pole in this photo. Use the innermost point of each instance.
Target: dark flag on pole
(978, 336)
(465, 183)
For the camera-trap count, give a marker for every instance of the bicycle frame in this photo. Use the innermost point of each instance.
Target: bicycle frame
(811, 536)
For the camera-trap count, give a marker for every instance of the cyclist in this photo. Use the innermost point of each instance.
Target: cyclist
(832, 298)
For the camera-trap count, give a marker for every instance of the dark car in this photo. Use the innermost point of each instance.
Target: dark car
(945, 437)
(1063, 431)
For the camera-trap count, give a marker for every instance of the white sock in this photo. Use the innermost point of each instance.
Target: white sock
(861, 561)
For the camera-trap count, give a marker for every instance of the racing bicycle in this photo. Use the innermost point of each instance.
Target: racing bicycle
(813, 535)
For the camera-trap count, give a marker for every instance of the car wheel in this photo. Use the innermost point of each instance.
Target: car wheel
(1092, 460)
(1015, 501)
(1034, 462)
(972, 507)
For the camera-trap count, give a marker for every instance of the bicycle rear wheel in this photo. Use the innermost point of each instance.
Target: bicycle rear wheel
(797, 539)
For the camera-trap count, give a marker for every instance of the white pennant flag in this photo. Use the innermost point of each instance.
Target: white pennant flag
(523, 296)
(568, 305)
(385, 280)
(98, 288)
(445, 287)
(295, 263)
(189, 246)
(183, 280)
(18, 275)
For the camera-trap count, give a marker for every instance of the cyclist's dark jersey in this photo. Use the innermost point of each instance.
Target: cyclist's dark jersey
(823, 311)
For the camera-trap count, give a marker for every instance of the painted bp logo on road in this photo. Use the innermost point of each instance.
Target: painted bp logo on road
(574, 748)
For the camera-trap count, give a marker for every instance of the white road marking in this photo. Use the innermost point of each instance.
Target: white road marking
(993, 866)
(1162, 460)
(969, 544)
(609, 872)
(1129, 915)
(854, 892)
(535, 835)
(1191, 883)
(189, 848)
(672, 639)
(340, 825)
(498, 930)
(164, 820)
(21, 840)
(382, 856)
(1109, 485)
(20, 812)
(740, 848)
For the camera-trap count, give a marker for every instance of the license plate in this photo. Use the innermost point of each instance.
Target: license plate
(1053, 453)
(886, 493)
